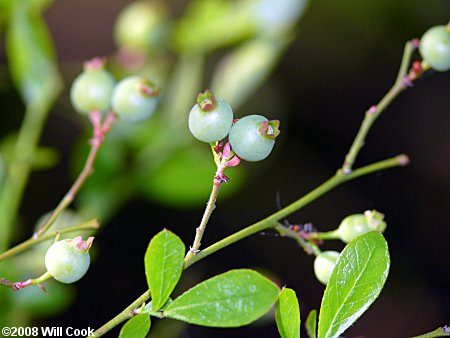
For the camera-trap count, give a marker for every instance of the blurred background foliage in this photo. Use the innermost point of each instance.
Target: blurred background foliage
(315, 66)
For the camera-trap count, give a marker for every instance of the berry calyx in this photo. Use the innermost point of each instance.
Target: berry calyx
(435, 48)
(324, 265)
(206, 100)
(135, 98)
(211, 118)
(92, 89)
(68, 260)
(358, 224)
(96, 63)
(252, 137)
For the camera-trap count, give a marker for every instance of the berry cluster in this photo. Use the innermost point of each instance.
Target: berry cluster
(251, 138)
(349, 229)
(133, 99)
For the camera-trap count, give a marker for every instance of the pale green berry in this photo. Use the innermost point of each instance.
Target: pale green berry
(210, 120)
(68, 260)
(358, 224)
(435, 48)
(92, 89)
(252, 137)
(135, 98)
(324, 265)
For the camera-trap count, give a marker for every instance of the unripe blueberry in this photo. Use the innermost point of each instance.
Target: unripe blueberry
(358, 224)
(141, 25)
(68, 260)
(92, 89)
(435, 48)
(210, 120)
(252, 137)
(135, 98)
(324, 265)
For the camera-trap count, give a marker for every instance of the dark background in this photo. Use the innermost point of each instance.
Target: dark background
(344, 59)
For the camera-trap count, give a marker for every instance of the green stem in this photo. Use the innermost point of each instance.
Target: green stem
(100, 131)
(19, 170)
(41, 279)
(21, 285)
(68, 198)
(210, 206)
(92, 224)
(269, 221)
(439, 332)
(333, 234)
(124, 315)
(375, 111)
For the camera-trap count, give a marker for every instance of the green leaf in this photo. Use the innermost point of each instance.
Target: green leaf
(355, 283)
(287, 314)
(311, 324)
(164, 261)
(31, 54)
(136, 327)
(234, 298)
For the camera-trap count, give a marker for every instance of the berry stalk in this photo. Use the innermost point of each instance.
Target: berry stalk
(221, 160)
(100, 131)
(16, 286)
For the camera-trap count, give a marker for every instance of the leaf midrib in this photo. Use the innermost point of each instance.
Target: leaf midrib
(347, 296)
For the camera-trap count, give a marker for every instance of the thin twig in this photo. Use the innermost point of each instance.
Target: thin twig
(92, 224)
(270, 221)
(100, 131)
(374, 112)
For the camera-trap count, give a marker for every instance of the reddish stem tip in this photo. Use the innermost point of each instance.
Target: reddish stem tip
(415, 43)
(372, 110)
(403, 160)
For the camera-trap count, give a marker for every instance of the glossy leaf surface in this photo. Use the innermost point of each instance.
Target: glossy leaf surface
(355, 283)
(287, 314)
(163, 266)
(136, 327)
(232, 299)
